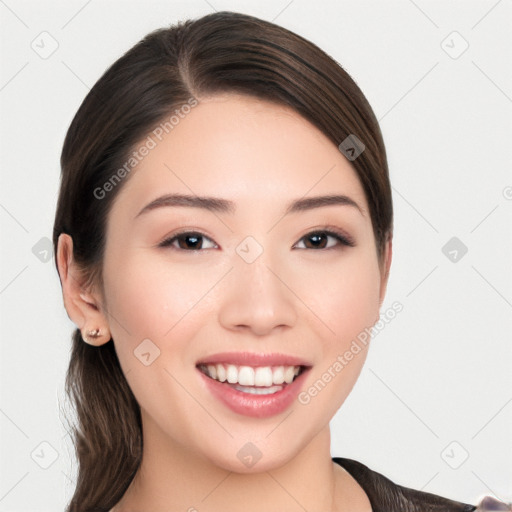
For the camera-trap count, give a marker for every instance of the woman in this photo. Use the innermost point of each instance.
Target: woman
(223, 234)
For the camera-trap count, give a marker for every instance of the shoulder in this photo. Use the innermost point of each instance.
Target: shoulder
(386, 496)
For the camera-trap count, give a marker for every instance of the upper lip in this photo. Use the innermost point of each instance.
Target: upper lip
(253, 359)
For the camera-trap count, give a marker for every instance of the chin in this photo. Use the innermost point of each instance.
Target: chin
(256, 454)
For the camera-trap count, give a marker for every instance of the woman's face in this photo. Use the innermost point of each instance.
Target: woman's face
(254, 290)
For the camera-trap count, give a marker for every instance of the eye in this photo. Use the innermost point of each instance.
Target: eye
(188, 240)
(194, 241)
(318, 239)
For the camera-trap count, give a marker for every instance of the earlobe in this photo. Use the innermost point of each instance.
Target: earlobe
(81, 305)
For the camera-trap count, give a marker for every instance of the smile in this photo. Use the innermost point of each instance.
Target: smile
(270, 377)
(256, 385)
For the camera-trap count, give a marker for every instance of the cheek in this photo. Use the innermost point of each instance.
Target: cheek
(347, 301)
(357, 306)
(149, 300)
(344, 296)
(149, 296)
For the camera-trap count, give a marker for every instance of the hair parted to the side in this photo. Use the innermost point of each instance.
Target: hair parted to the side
(221, 52)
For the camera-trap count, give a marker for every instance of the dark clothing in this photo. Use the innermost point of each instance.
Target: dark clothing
(385, 496)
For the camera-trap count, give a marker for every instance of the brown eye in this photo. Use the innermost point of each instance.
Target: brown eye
(319, 240)
(187, 241)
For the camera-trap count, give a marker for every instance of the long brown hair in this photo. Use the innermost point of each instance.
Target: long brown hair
(221, 52)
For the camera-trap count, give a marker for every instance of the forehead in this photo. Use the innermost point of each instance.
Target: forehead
(238, 147)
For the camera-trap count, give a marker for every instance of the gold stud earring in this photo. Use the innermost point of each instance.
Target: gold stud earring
(94, 334)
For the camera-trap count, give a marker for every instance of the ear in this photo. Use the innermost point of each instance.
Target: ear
(82, 305)
(386, 264)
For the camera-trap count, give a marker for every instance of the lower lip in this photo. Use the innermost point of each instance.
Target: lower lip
(255, 406)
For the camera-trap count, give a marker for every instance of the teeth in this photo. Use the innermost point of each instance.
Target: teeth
(221, 373)
(278, 375)
(289, 374)
(264, 376)
(212, 371)
(232, 374)
(246, 376)
(259, 391)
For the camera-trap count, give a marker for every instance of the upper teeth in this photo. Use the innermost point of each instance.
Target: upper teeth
(249, 376)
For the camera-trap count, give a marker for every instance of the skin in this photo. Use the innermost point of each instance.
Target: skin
(293, 299)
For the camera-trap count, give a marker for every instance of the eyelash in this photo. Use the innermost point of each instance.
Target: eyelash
(342, 238)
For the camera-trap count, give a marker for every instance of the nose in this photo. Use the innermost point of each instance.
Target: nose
(257, 298)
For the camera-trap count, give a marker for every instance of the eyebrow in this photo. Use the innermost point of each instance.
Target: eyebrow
(215, 204)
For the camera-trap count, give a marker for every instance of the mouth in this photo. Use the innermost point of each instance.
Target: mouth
(254, 385)
(261, 380)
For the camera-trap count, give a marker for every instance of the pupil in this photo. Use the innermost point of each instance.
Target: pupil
(317, 238)
(195, 240)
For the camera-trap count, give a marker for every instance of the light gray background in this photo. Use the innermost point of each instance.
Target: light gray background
(437, 385)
